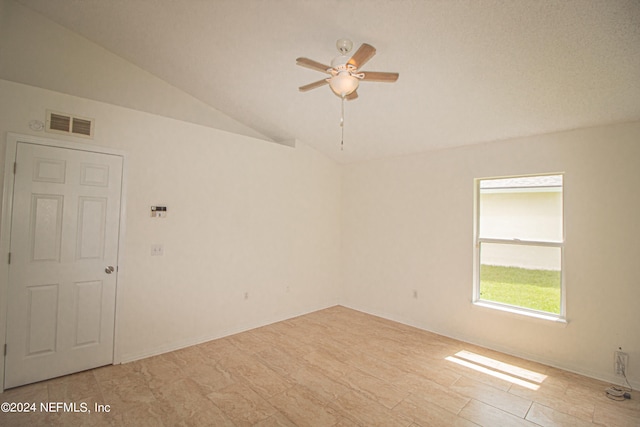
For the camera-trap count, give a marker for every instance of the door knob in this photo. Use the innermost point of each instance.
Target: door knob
(109, 269)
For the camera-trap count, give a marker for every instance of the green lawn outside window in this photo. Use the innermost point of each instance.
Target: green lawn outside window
(531, 289)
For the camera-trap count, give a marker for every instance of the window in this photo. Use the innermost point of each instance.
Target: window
(519, 244)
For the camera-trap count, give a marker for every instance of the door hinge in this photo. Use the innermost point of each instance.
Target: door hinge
(9, 260)
(15, 167)
(5, 349)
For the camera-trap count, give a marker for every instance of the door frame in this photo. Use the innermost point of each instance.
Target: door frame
(12, 140)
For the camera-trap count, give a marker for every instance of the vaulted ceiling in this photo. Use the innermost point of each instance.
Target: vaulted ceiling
(470, 71)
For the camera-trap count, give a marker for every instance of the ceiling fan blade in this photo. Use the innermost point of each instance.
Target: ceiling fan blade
(377, 76)
(353, 95)
(363, 54)
(314, 65)
(313, 85)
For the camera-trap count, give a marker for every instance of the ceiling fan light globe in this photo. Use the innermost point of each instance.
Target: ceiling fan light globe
(343, 84)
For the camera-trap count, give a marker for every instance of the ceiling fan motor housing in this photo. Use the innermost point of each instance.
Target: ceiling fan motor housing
(339, 61)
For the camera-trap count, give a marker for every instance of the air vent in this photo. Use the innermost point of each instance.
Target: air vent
(59, 122)
(68, 124)
(81, 126)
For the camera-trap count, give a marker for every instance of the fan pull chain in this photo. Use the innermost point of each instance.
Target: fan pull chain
(342, 126)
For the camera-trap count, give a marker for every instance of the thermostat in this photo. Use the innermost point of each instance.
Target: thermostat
(158, 211)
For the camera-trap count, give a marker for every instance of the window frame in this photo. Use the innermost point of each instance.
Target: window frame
(478, 241)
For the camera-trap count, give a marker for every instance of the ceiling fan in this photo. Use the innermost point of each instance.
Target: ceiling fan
(345, 74)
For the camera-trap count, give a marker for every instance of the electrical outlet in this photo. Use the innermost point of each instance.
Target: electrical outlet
(246, 295)
(620, 362)
(157, 250)
(415, 293)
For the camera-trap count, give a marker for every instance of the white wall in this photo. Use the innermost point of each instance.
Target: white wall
(244, 215)
(408, 224)
(36, 51)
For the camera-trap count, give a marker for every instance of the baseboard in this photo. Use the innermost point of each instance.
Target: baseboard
(492, 346)
(178, 345)
(130, 357)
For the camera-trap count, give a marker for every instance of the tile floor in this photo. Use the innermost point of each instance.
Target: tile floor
(334, 367)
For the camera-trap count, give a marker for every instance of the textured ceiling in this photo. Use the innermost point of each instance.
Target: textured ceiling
(470, 71)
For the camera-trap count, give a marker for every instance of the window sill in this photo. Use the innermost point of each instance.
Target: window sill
(519, 312)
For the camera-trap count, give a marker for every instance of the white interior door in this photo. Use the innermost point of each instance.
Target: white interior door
(64, 238)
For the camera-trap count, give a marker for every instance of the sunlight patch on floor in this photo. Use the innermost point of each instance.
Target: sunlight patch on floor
(495, 368)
